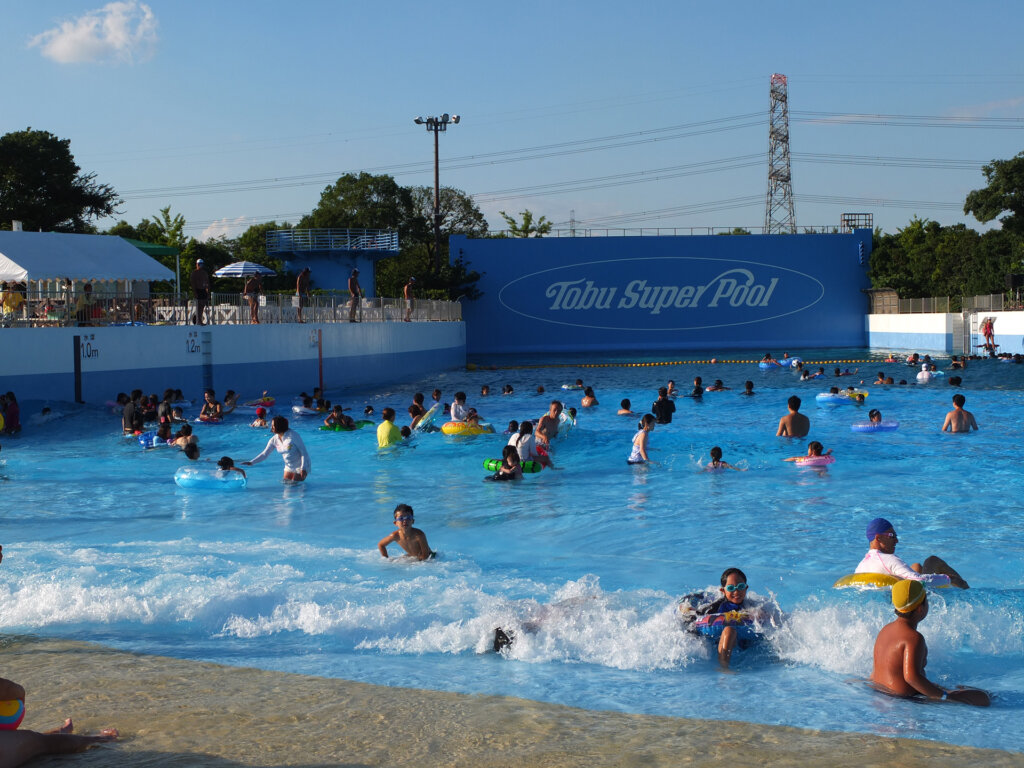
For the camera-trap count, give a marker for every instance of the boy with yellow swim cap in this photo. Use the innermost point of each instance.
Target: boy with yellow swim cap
(901, 652)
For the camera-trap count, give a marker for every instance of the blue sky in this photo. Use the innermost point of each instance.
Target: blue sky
(164, 99)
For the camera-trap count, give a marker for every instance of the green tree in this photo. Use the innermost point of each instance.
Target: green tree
(367, 201)
(169, 229)
(459, 216)
(527, 227)
(43, 187)
(452, 280)
(1003, 194)
(736, 231)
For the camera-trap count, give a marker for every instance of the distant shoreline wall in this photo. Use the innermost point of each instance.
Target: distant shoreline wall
(944, 332)
(284, 359)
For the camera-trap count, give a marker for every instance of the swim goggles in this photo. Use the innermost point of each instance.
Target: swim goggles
(735, 587)
(404, 519)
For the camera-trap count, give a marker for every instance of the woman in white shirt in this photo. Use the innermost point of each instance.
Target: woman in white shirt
(288, 443)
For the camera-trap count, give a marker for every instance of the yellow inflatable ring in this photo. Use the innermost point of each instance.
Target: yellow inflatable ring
(873, 581)
(463, 428)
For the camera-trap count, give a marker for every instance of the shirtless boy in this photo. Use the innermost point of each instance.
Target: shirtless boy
(412, 540)
(959, 420)
(794, 423)
(547, 427)
(901, 652)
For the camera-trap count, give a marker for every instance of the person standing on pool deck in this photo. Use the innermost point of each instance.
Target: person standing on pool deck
(881, 558)
(302, 291)
(663, 408)
(410, 298)
(288, 443)
(959, 420)
(252, 290)
(200, 282)
(901, 653)
(794, 423)
(357, 294)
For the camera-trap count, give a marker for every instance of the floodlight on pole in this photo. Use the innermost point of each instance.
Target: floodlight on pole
(437, 125)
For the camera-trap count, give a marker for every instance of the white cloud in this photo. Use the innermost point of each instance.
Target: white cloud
(122, 31)
(225, 228)
(989, 108)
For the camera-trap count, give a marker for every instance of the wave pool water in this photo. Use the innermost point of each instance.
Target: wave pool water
(101, 545)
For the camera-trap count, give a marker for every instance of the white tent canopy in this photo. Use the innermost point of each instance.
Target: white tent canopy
(42, 256)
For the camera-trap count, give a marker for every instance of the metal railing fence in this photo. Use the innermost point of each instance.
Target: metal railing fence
(106, 308)
(303, 240)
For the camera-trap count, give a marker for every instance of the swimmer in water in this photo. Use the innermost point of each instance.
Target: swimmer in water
(638, 453)
(293, 451)
(625, 408)
(748, 388)
(211, 407)
(227, 464)
(901, 653)
(815, 450)
(547, 427)
(511, 468)
(716, 462)
(670, 388)
(959, 420)
(718, 386)
(794, 423)
(412, 540)
(527, 448)
(589, 398)
(261, 418)
(732, 598)
(337, 418)
(881, 558)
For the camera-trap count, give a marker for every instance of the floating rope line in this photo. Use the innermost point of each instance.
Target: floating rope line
(806, 363)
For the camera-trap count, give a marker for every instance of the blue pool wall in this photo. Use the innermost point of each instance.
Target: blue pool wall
(39, 363)
(661, 293)
(933, 332)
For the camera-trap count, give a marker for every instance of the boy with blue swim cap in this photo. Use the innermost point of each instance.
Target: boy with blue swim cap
(881, 559)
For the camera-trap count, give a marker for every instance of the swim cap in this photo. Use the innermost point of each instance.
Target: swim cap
(877, 526)
(261, 411)
(907, 595)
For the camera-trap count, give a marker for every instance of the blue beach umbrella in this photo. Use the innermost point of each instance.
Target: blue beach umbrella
(243, 269)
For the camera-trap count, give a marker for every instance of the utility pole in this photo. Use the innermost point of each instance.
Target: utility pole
(437, 125)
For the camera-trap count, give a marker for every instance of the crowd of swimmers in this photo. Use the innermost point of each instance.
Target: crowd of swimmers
(900, 652)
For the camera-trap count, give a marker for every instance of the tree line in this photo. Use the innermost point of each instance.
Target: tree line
(42, 186)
